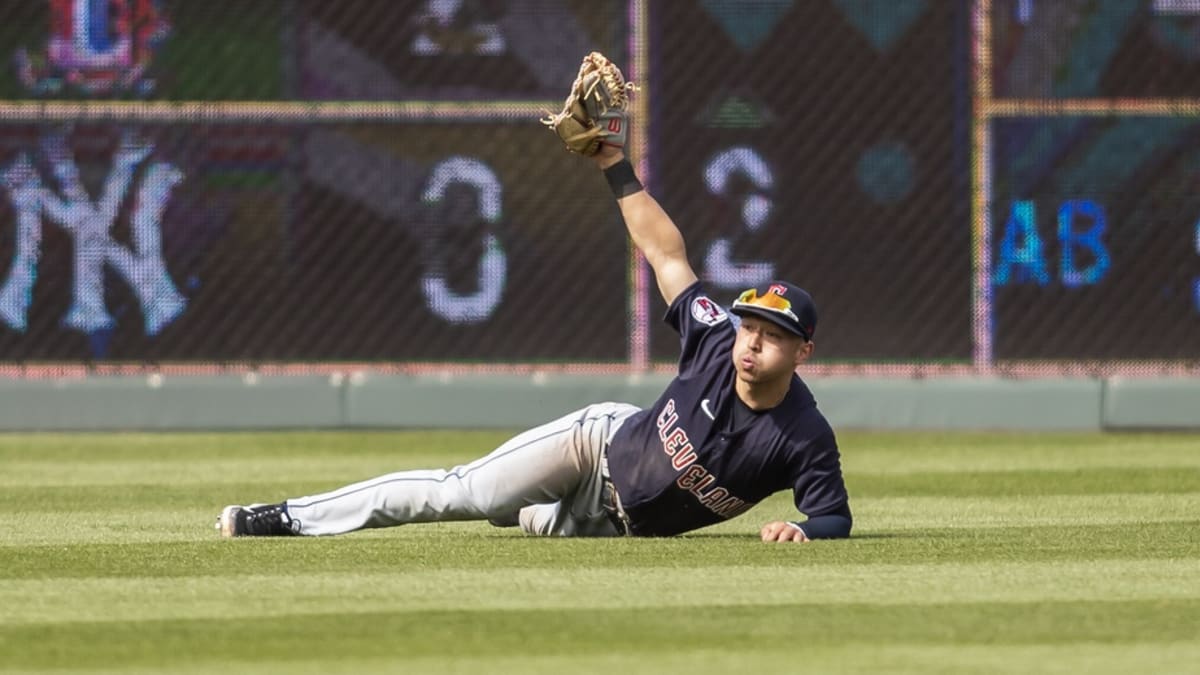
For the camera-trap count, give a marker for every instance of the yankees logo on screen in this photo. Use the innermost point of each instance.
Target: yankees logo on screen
(90, 225)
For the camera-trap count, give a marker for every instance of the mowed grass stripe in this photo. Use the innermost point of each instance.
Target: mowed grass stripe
(584, 632)
(865, 658)
(1078, 481)
(116, 458)
(921, 453)
(921, 513)
(237, 594)
(469, 547)
(232, 473)
(181, 518)
(253, 468)
(178, 493)
(262, 485)
(219, 448)
(45, 472)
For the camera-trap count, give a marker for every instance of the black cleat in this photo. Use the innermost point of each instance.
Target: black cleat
(257, 520)
(506, 521)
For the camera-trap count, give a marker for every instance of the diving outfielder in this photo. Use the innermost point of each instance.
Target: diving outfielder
(733, 427)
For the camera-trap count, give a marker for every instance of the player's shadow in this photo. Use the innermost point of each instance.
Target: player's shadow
(731, 535)
(512, 533)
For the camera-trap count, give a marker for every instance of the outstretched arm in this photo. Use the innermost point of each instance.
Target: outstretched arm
(654, 234)
(830, 526)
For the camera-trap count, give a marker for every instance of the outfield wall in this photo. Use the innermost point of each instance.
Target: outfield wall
(366, 400)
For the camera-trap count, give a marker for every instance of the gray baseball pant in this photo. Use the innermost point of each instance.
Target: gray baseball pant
(549, 479)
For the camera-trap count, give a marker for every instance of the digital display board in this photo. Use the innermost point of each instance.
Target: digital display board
(273, 50)
(365, 50)
(146, 50)
(826, 145)
(1096, 238)
(1095, 49)
(306, 242)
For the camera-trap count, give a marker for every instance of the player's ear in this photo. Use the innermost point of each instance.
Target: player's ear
(805, 352)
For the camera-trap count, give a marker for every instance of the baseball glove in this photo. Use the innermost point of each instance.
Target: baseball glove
(595, 110)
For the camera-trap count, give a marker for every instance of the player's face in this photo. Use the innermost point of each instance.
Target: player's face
(764, 352)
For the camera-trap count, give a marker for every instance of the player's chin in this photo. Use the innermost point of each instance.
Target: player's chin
(749, 376)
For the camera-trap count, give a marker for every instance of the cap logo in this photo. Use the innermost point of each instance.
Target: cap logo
(775, 301)
(770, 301)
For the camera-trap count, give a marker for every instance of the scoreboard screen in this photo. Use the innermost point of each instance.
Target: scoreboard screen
(1096, 232)
(841, 166)
(305, 242)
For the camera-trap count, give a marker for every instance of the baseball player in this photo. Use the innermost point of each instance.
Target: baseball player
(733, 427)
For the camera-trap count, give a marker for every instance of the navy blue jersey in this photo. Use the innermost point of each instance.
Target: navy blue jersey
(684, 463)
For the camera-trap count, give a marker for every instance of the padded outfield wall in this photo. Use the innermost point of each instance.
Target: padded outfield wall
(370, 401)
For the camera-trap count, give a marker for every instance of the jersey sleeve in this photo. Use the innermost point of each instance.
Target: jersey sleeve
(829, 526)
(819, 488)
(705, 330)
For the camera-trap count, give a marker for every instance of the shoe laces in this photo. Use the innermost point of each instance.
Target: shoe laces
(267, 520)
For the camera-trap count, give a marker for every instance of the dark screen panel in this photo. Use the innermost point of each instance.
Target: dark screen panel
(826, 145)
(1095, 49)
(305, 242)
(1096, 246)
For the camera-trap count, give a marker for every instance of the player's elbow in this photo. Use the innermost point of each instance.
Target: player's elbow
(674, 276)
(666, 254)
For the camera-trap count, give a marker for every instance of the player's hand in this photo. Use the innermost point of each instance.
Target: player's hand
(781, 531)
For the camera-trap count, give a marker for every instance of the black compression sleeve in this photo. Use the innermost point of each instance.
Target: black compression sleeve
(622, 179)
(829, 526)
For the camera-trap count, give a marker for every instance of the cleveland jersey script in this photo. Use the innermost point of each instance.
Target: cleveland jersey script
(690, 460)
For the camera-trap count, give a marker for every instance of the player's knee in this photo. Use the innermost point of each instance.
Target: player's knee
(538, 519)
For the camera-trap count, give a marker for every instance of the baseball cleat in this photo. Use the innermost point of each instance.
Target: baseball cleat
(505, 521)
(256, 520)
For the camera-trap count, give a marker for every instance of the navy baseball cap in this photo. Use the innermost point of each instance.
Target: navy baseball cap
(781, 303)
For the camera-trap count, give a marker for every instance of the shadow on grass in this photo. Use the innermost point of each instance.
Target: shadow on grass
(514, 533)
(754, 536)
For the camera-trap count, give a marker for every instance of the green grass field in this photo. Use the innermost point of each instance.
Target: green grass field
(973, 553)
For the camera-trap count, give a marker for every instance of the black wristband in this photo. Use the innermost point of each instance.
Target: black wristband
(622, 179)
